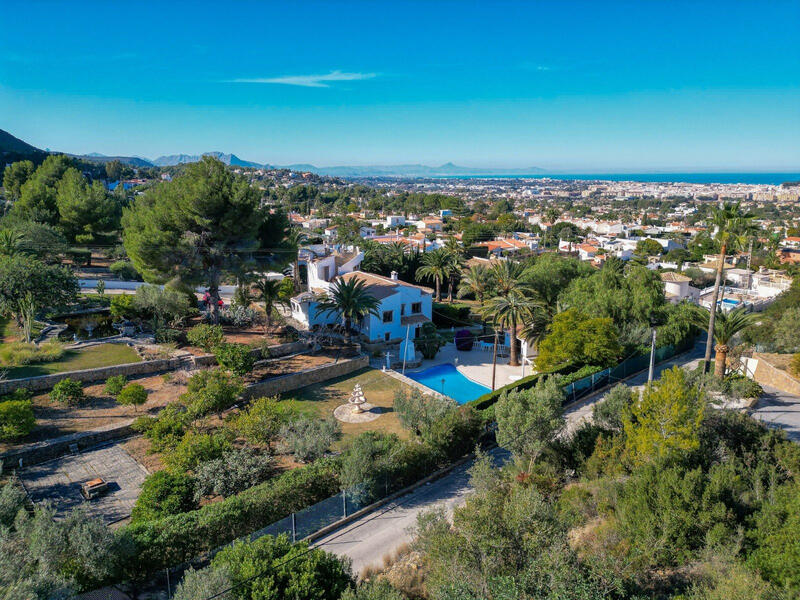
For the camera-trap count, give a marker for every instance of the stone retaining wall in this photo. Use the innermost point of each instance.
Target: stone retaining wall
(33, 454)
(768, 374)
(293, 381)
(148, 367)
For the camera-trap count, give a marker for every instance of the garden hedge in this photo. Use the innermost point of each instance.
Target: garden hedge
(567, 375)
(170, 541)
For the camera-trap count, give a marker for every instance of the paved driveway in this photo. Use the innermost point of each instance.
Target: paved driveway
(58, 482)
(779, 409)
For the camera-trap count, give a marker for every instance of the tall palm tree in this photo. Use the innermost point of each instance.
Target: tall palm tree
(455, 254)
(269, 292)
(294, 239)
(507, 312)
(475, 281)
(351, 300)
(727, 325)
(435, 265)
(733, 227)
(507, 275)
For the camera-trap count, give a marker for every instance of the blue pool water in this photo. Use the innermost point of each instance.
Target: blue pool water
(730, 302)
(446, 380)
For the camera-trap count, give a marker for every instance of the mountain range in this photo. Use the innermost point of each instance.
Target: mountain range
(12, 148)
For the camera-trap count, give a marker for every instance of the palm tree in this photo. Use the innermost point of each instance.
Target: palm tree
(507, 311)
(507, 275)
(294, 239)
(455, 263)
(436, 266)
(351, 300)
(727, 325)
(269, 292)
(733, 226)
(10, 242)
(475, 281)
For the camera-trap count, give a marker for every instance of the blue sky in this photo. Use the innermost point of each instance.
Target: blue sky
(567, 86)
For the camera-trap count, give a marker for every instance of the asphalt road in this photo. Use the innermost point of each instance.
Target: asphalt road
(779, 409)
(368, 539)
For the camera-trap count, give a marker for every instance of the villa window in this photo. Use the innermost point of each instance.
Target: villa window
(388, 316)
(402, 309)
(386, 336)
(416, 308)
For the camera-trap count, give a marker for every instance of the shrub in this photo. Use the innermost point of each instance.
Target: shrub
(261, 422)
(164, 493)
(309, 438)
(166, 430)
(365, 464)
(122, 306)
(608, 412)
(376, 589)
(114, 384)
(528, 421)
(740, 386)
(456, 433)
(205, 583)
(236, 358)
(133, 394)
(234, 472)
(67, 391)
(239, 316)
(124, 269)
(166, 542)
(205, 336)
(166, 335)
(16, 419)
(295, 570)
(211, 391)
(429, 341)
(18, 354)
(417, 412)
(464, 340)
(195, 448)
(794, 365)
(12, 500)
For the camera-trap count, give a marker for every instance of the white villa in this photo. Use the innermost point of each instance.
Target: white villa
(404, 307)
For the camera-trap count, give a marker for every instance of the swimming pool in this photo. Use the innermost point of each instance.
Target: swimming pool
(447, 380)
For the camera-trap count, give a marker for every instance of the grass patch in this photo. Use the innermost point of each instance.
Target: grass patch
(379, 389)
(102, 355)
(10, 331)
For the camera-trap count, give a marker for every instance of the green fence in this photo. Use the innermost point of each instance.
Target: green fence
(591, 383)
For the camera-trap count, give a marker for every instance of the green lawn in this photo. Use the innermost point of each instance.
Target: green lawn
(379, 389)
(102, 355)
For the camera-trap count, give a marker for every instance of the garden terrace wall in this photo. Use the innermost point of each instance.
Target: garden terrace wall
(39, 452)
(766, 373)
(293, 381)
(43, 383)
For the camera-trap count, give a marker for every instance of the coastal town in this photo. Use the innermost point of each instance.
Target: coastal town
(400, 300)
(148, 387)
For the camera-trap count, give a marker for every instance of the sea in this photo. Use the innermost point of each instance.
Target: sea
(727, 178)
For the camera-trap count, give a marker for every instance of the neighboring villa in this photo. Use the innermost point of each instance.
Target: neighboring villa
(404, 307)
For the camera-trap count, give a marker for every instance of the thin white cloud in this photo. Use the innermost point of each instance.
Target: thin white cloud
(313, 81)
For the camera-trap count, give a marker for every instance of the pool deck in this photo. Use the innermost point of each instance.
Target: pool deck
(476, 365)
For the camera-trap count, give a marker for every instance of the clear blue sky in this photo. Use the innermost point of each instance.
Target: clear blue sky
(571, 86)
